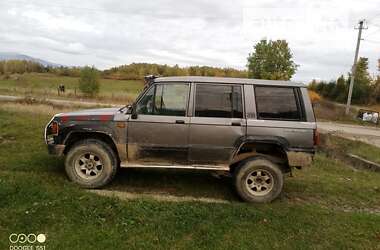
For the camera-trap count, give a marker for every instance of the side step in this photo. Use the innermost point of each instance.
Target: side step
(203, 167)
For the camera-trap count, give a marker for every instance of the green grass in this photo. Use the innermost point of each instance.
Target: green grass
(346, 146)
(45, 85)
(327, 206)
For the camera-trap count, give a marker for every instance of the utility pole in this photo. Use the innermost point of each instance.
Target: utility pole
(361, 23)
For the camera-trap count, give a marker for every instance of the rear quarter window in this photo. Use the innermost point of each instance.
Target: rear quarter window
(278, 103)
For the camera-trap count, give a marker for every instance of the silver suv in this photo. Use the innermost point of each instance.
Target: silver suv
(257, 130)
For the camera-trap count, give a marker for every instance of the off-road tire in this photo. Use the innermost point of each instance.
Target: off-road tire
(105, 155)
(244, 174)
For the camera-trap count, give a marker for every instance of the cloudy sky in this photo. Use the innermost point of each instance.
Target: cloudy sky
(104, 33)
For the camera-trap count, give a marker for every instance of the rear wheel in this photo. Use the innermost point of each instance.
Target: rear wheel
(91, 163)
(258, 180)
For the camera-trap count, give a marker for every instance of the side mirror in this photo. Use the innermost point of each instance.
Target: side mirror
(129, 109)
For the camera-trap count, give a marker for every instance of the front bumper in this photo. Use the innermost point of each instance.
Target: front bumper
(56, 149)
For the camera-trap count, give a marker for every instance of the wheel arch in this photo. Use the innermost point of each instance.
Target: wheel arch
(76, 136)
(268, 147)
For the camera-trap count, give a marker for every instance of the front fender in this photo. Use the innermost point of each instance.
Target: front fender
(112, 130)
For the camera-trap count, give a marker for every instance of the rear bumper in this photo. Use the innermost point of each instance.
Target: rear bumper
(300, 159)
(56, 149)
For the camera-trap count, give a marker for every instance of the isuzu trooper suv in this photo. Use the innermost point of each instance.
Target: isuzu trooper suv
(257, 130)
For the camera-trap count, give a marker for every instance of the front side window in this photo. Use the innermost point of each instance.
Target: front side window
(223, 101)
(277, 103)
(164, 99)
(145, 105)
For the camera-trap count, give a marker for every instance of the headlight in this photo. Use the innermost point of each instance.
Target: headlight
(51, 130)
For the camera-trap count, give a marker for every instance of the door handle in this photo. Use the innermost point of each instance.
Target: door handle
(180, 121)
(235, 124)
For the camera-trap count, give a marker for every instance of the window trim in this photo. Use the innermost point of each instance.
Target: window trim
(154, 96)
(219, 84)
(298, 101)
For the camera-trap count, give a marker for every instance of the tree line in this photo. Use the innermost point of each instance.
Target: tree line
(23, 66)
(20, 67)
(136, 71)
(366, 88)
(133, 71)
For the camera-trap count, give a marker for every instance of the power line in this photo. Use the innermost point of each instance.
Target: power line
(373, 17)
(371, 41)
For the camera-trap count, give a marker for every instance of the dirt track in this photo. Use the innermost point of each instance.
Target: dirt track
(370, 135)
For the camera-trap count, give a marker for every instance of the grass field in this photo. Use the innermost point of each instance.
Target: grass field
(45, 85)
(327, 206)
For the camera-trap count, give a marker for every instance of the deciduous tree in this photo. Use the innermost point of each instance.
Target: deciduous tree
(271, 60)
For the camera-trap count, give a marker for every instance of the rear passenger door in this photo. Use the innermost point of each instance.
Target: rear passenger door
(216, 122)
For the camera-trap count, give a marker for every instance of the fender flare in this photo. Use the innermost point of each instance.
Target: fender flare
(81, 130)
(276, 140)
(262, 139)
(119, 148)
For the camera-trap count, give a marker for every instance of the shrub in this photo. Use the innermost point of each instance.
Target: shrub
(314, 97)
(89, 81)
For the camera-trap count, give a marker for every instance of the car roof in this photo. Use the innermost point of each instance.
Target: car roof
(208, 79)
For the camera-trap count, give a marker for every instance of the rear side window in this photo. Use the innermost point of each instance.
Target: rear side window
(278, 103)
(223, 101)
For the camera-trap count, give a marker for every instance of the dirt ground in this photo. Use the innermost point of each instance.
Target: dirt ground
(370, 135)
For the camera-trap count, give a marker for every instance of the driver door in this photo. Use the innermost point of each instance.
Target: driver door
(159, 133)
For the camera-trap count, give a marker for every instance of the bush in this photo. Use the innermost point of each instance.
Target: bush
(89, 81)
(314, 97)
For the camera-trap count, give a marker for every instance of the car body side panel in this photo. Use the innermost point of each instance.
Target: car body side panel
(297, 134)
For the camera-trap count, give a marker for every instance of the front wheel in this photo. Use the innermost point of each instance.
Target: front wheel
(91, 163)
(258, 180)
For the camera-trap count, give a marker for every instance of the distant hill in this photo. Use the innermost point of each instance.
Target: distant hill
(15, 56)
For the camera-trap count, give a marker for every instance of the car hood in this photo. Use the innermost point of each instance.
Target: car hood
(102, 111)
(103, 114)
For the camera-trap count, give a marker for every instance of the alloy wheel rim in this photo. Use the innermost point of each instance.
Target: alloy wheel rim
(259, 182)
(88, 166)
